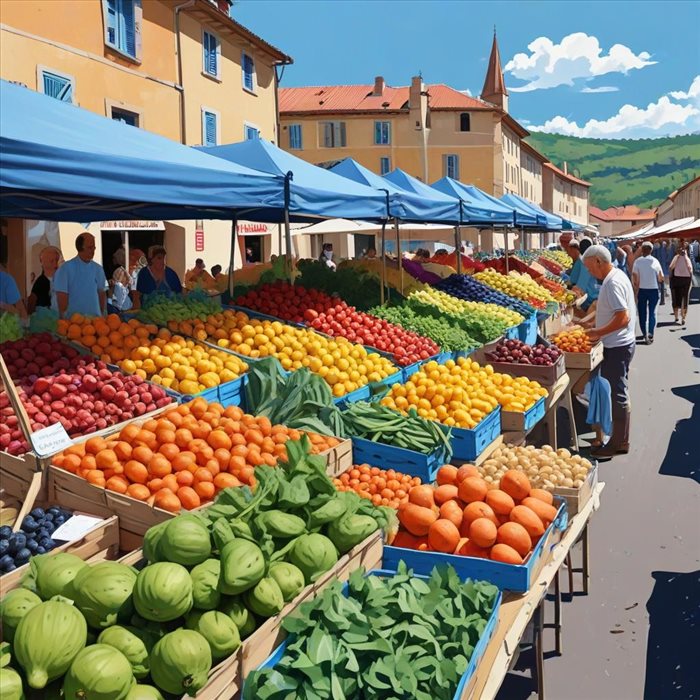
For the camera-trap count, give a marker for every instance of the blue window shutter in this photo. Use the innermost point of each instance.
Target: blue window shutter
(248, 70)
(211, 54)
(384, 165)
(295, 136)
(209, 129)
(112, 22)
(128, 25)
(57, 86)
(251, 133)
(377, 132)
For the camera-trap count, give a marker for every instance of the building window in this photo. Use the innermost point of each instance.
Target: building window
(384, 165)
(56, 85)
(382, 133)
(451, 166)
(210, 128)
(211, 51)
(248, 65)
(295, 137)
(125, 116)
(465, 122)
(250, 133)
(333, 134)
(122, 32)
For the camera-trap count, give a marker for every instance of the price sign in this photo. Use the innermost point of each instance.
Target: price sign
(75, 528)
(48, 441)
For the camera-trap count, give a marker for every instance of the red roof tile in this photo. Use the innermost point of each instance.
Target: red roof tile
(629, 212)
(567, 176)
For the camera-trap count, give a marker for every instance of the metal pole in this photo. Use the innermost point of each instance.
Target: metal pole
(458, 240)
(384, 260)
(287, 231)
(506, 240)
(234, 231)
(398, 248)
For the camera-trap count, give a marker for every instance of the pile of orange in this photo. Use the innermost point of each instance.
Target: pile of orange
(384, 487)
(181, 458)
(573, 340)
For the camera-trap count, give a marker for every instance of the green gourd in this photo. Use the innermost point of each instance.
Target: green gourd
(314, 554)
(151, 542)
(180, 662)
(265, 598)
(10, 684)
(102, 592)
(53, 573)
(129, 643)
(163, 592)
(241, 616)
(144, 692)
(220, 631)
(242, 566)
(185, 541)
(13, 607)
(281, 524)
(350, 530)
(47, 640)
(289, 578)
(98, 672)
(205, 584)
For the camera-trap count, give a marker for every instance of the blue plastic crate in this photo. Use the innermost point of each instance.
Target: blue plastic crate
(456, 354)
(411, 369)
(227, 394)
(361, 394)
(512, 577)
(478, 652)
(391, 457)
(534, 414)
(528, 330)
(468, 444)
(511, 333)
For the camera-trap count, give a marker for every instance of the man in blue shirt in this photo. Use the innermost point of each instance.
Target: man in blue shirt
(79, 285)
(580, 278)
(10, 300)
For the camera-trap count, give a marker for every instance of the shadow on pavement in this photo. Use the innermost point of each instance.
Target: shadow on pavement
(683, 453)
(672, 669)
(694, 342)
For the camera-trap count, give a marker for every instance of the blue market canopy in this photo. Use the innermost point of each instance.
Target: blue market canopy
(313, 192)
(452, 206)
(63, 163)
(403, 204)
(478, 208)
(543, 219)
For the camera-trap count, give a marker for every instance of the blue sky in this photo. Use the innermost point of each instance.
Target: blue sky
(599, 69)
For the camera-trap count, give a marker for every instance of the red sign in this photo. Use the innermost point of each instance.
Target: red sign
(199, 241)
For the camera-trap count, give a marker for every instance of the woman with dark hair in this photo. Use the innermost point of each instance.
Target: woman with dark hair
(681, 270)
(156, 276)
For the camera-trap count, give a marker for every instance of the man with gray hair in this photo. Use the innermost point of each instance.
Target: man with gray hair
(647, 276)
(614, 325)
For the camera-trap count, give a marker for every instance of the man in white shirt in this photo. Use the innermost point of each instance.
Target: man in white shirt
(614, 325)
(647, 276)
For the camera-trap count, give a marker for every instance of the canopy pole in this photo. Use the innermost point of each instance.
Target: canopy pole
(384, 261)
(506, 239)
(234, 231)
(458, 249)
(279, 239)
(398, 248)
(522, 238)
(287, 231)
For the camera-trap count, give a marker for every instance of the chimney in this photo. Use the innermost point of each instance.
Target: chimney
(566, 168)
(378, 86)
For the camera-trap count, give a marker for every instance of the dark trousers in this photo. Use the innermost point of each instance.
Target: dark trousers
(680, 290)
(662, 293)
(615, 368)
(647, 299)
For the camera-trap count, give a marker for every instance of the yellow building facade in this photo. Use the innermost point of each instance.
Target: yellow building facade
(682, 203)
(184, 70)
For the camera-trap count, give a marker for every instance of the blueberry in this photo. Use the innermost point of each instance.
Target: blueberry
(22, 557)
(40, 550)
(20, 538)
(4, 546)
(46, 542)
(42, 532)
(29, 524)
(59, 520)
(32, 546)
(5, 532)
(54, 510)
(51, 545)
(11, 567)
(5, 561)
(37, 513)
(48, 518)
(49, 527)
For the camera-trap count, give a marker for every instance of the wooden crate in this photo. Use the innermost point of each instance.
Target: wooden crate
(576, 499)
(339, 458)
(584, 360)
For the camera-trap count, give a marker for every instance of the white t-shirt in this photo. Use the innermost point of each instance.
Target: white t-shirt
(648, 269)
(616, 294)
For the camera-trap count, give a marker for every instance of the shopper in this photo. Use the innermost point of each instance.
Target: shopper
(647, 275)
(326, 256)
(119, 298)
(156, 277)
(580, 279)
(41, 289)
(681, 271)
(10, 299)
(614, 325)
(199, 277)
(80, 284)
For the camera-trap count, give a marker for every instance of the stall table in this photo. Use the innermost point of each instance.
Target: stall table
(518, 610)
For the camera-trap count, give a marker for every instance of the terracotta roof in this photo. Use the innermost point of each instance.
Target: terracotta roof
(494, 83)
(360, 98)
(629, 212)
(525, 146)
(567, 176)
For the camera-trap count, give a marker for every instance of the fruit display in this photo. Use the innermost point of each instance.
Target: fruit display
(384, 487)
(517, 285)
(468, 288)
(462, 393)
(443, 333)
(574, 339)
(334, 317)
(184, 456)
(344, 365)
(371, 660)
(163, 309)
(407, 430)
(86, 398)
(38, 355)
(172, 361)
(33, 537)
(519, 353)
(466, 515)
(545, 467)
(483, 322)
(10, 326)
(559, 257)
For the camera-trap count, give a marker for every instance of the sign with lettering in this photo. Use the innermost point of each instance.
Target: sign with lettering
(253, 228)
(48, 441)
(132, 226)
(199, 241)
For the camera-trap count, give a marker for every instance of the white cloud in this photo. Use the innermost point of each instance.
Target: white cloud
(665, 117)
(577, 57)
(466, 92)
(602, 88)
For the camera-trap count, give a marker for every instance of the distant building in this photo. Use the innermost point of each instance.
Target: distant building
(615, 220)
(684, 202)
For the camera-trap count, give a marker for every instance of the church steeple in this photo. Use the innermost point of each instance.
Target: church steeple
(494, 89)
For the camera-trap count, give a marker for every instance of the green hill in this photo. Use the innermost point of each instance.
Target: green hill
(642, 172)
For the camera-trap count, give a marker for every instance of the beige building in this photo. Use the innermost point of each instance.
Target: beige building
(682, 203)
(185, 70)
(616, 220)
(564, 194)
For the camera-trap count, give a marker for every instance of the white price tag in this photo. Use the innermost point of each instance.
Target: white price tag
(48, 441)
(75, 528)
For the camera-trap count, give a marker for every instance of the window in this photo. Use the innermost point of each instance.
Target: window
(384, 165)
(56, 85)
(248, 66)
(210, 128)
(122, 26)
(295, 137)
(333, 134)
(211, 51)
(451, 166)
(250, 133)
(382, 133)
(465, 122)
(125, 116)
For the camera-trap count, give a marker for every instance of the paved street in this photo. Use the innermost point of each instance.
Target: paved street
(637, 634)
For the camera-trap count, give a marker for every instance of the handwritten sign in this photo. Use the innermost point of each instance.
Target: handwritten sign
(75, 528)
(48, 441)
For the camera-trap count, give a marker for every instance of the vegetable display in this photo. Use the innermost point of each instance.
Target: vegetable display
(517, 285)
(468, 288)
(384, 487)
(573, 340)
(163, 309)
(519, 353)
(398, 636)
(10, 327)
